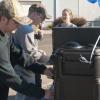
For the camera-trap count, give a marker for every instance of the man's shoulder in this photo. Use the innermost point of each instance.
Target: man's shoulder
(25, 29)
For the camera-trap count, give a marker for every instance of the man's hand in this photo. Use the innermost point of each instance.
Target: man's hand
(42, 52)
(48, 95)
(49, 72)
(39, 35)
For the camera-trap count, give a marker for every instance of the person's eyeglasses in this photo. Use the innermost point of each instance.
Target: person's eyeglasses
(42, 17)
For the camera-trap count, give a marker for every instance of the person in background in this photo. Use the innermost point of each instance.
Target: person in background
(10, 20)
(27, 37)
(64, 20)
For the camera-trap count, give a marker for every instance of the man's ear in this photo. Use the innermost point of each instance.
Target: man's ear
(4, 19)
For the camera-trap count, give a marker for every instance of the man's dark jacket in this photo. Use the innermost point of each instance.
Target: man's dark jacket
(7, 74)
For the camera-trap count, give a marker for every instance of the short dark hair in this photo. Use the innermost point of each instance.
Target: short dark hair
(39, 9)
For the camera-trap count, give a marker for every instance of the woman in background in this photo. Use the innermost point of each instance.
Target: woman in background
(65, 19)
